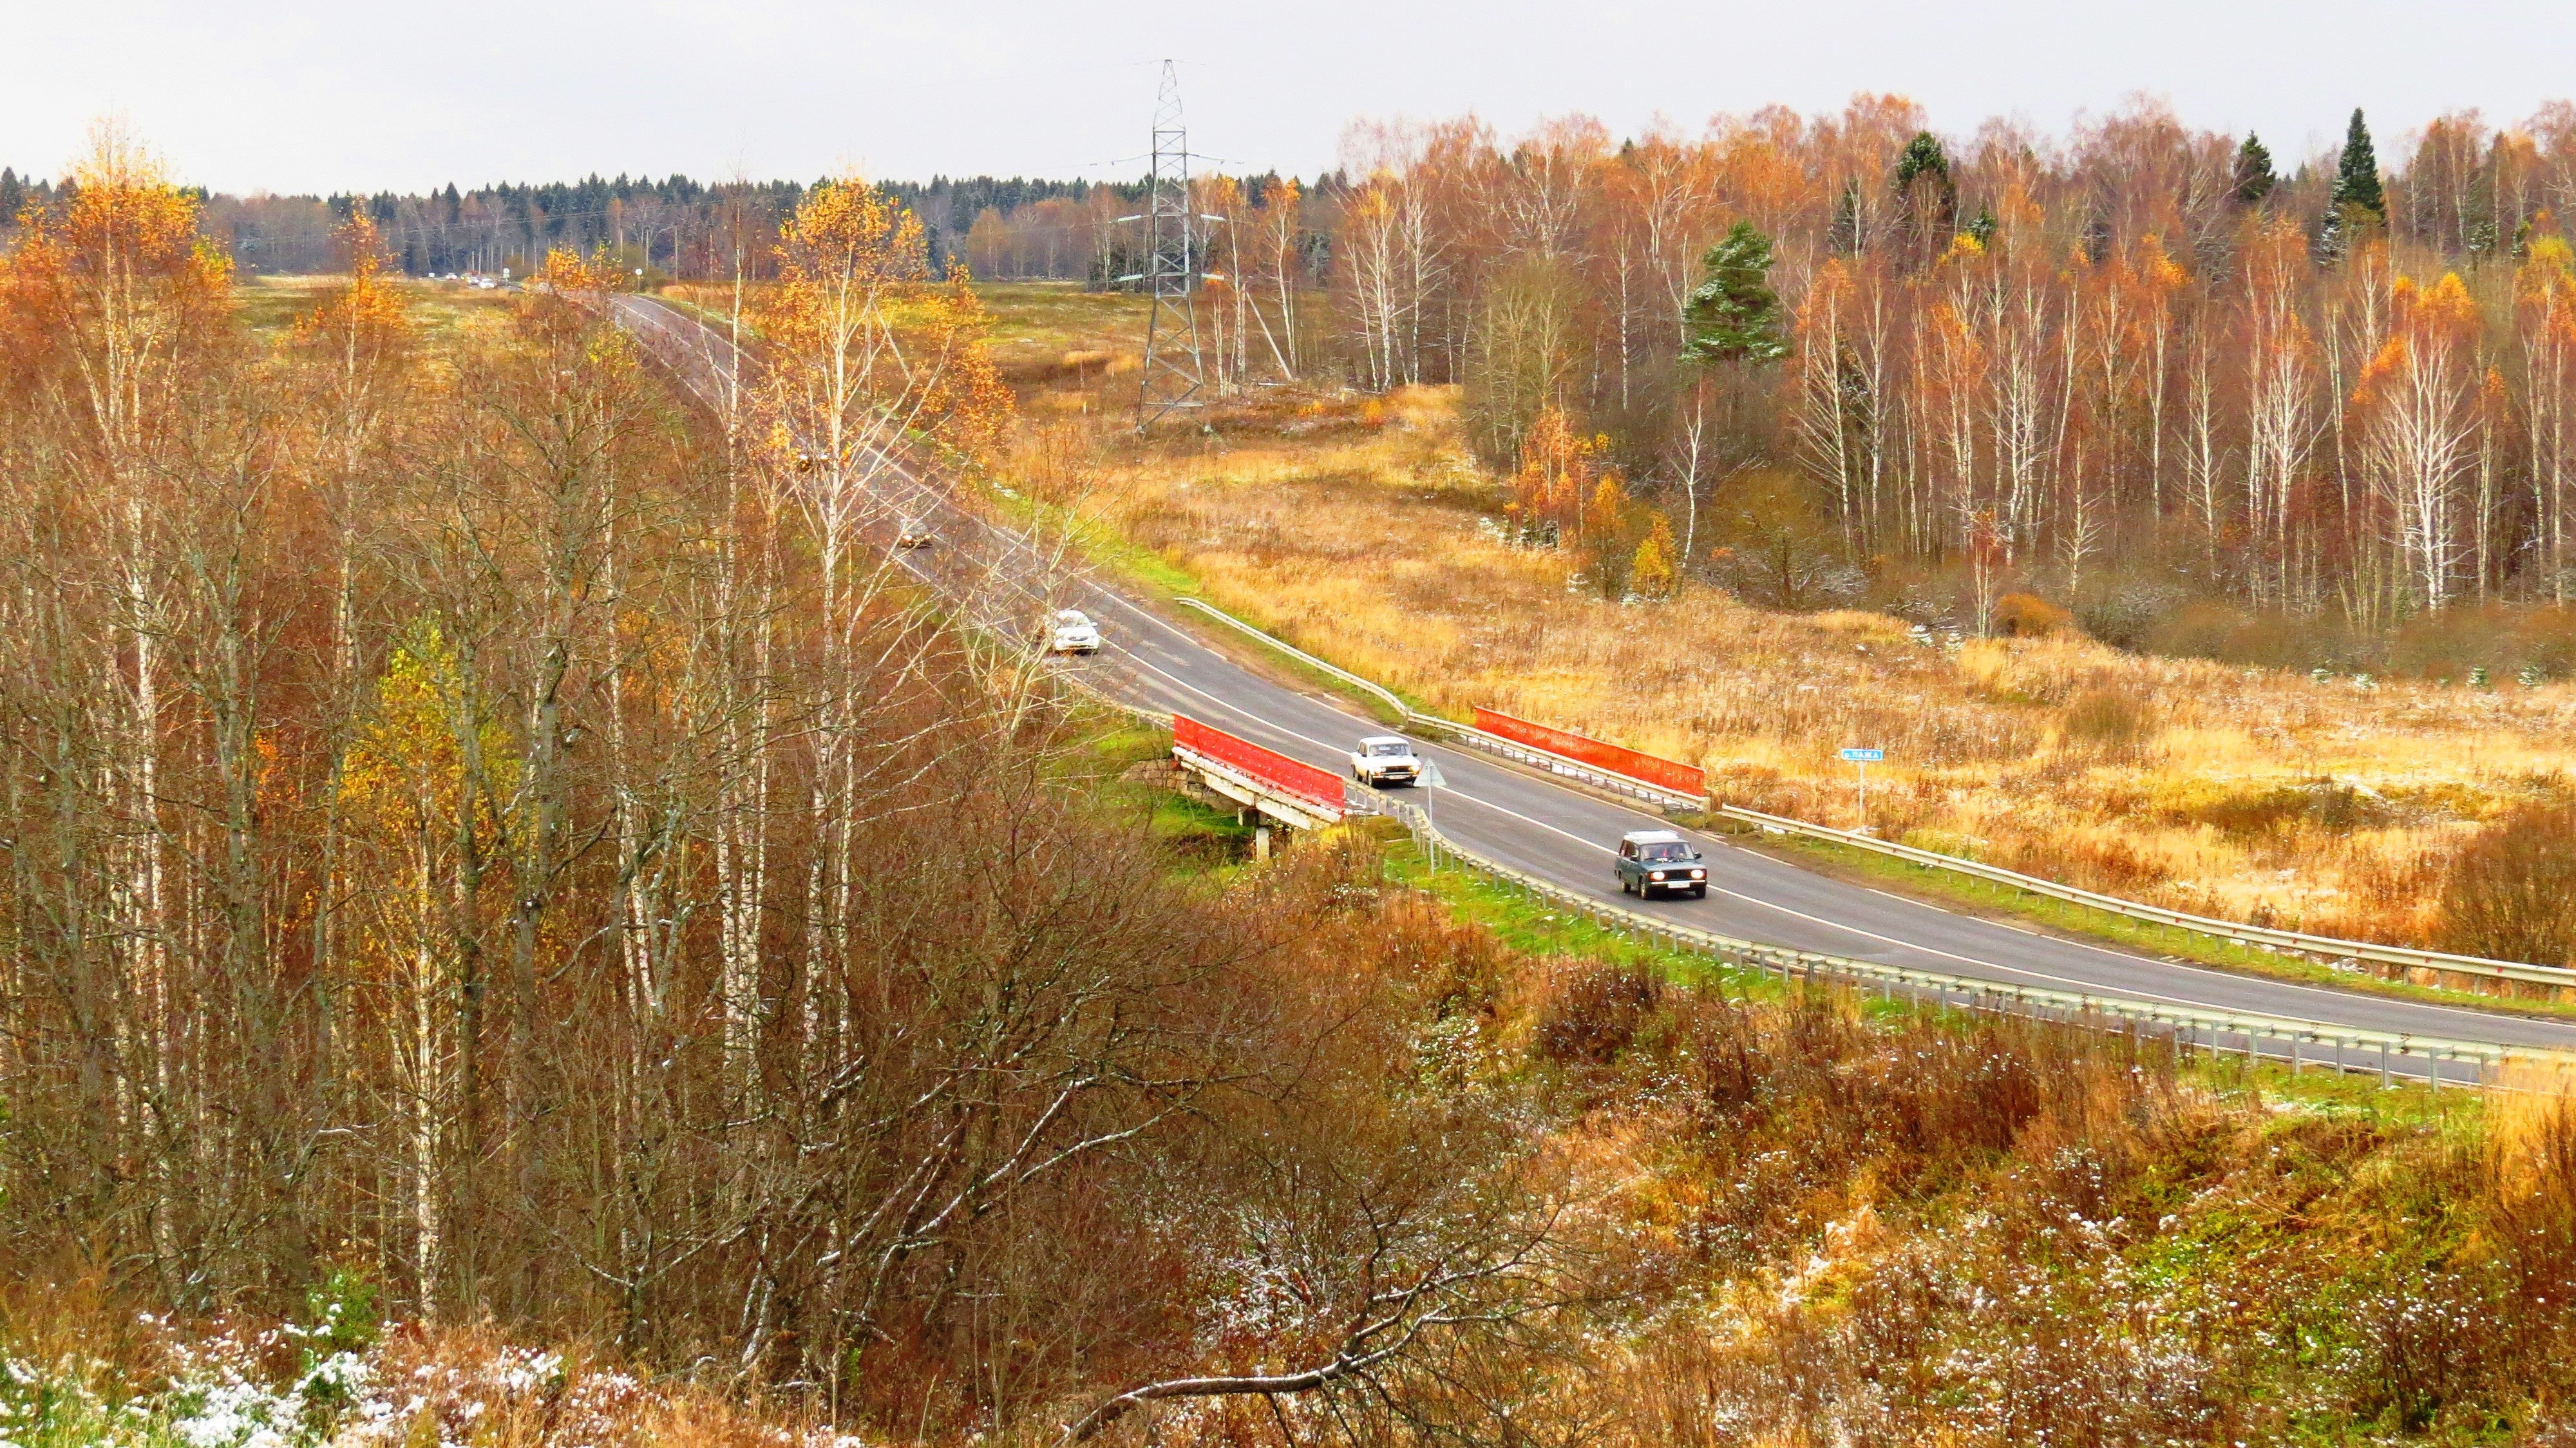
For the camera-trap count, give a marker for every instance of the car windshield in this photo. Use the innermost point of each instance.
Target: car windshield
(1070, 619)
(1388, 750)
(1663, 853)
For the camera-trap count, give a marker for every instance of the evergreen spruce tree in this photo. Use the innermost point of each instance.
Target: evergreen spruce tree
(12, 196)
(1923, 157)
(1735, 314)
(2254, 178)
(2357, 176)
(2358, 200)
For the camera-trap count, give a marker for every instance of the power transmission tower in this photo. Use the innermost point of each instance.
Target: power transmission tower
(1171, 276)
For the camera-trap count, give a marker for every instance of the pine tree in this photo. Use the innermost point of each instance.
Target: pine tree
(2358, 200)
(2254, 178)
(12, 196)
(2357, 177)
(1735, 314)
(1923, 157)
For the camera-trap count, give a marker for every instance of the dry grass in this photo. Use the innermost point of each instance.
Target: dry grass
(442, 313)
(1808, 1222)
(1360, 528)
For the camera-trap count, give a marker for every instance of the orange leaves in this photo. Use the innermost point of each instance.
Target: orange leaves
(964, 397)
(363, 320)
(864, 337)
(119, 277)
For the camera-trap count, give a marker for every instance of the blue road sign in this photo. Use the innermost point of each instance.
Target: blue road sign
(1864, 756)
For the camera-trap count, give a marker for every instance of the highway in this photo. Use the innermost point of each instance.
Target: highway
(1531, 823)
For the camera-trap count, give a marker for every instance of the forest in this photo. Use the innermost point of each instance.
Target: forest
(521, 925)
(2132, 368)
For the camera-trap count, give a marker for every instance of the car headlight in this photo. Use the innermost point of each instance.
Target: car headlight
(1657, 875)
(1699, 874)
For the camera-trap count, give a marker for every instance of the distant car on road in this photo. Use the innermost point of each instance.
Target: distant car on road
(1384, 759)
(1071, 631)
(913, 534)
(1652, 860)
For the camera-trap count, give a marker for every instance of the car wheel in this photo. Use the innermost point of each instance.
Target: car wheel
(1699, 892)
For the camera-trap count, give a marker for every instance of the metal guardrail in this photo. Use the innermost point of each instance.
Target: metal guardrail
(1610, 781)
(2295, 941)
(1467, 735)
(2263, 935)
(2300, 1043)
(1378, 691)
(2189, 1027)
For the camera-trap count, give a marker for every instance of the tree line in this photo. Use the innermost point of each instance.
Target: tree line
(2133, 357)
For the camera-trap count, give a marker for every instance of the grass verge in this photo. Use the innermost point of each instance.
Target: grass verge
(1985, 897)
(1539, 928)
(1162, 580)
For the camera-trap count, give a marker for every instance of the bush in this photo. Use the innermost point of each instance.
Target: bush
(2027, 615)
(2508, 893)
(2112, 717)
(1594, 1013)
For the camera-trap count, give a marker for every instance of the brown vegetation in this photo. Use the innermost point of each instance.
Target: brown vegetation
(1369, 535)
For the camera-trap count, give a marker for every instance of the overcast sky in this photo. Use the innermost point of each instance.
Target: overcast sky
(300, 95)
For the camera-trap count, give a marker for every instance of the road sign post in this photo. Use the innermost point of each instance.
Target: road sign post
(1432, 784)
(1861, 760)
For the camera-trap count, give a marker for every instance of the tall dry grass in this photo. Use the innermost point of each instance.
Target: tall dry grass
(1361, 529)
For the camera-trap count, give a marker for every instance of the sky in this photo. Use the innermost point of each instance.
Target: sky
(293, 96)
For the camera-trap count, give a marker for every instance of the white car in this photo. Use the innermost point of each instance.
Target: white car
(913, 534)
(1384, 760)
(1071, 631)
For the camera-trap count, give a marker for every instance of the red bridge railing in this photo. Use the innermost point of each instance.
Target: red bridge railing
(1289, 777)
(1664, 773)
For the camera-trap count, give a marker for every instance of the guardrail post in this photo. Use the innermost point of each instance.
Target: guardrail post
(2433, 1061)
(2383, 1066)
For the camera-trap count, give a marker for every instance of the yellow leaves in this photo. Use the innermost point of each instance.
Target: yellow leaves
(859, 324)
(406, 775)
(1650, 572)
(567, 272)
(1963, 249)
(845, 253)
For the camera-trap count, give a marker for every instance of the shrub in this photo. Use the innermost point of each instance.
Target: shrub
(2508, 893)
(1595, 1011)
(2027, 616)
(2112, 717)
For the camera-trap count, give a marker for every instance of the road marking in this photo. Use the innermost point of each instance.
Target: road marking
(1542, 824)
(2081, 985)
(668, 322)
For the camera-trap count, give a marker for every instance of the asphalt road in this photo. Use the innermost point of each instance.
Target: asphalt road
(1528, 822)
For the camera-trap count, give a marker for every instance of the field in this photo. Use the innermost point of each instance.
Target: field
(439, 312)
(1362, 529)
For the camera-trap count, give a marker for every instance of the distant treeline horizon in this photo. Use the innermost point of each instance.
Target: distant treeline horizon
(675, 224)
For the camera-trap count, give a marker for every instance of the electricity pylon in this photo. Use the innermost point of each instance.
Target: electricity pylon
(1171, 276)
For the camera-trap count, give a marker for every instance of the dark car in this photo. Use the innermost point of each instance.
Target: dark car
(1653, 860)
